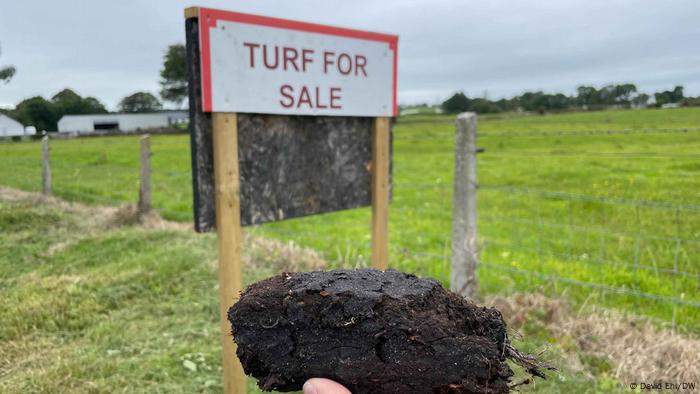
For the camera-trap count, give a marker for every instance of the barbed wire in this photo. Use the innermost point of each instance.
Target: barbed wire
(550, 277)
(591, 198)
(588, 260)
(600, 229)
(597, 132)
(606, 288)
(448, 137)
(609, 155)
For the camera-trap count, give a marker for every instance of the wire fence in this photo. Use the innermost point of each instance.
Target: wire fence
(633, 247)
(547, 220)
(662, 251)
(539, 231)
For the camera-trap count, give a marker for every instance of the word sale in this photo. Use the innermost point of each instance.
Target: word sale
(291, 99)
(289, 59)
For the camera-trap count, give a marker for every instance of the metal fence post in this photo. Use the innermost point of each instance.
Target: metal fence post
(463, 278)
(145, 185)
(45, 167)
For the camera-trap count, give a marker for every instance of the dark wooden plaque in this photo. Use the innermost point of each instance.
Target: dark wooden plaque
(290, 166)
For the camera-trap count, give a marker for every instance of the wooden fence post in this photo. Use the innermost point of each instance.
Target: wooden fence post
(463, 278)
(45, 167)
(380, 193)
(145, 184)
(228, 227)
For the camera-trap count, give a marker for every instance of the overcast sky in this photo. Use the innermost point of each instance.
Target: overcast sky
(109, 49)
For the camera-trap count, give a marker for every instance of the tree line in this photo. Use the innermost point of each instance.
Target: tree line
(586, 98)
(44, 114)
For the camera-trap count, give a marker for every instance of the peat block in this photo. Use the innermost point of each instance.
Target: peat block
(372, 331)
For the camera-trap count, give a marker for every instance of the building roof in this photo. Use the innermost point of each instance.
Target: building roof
(126, 114)
(3, 115)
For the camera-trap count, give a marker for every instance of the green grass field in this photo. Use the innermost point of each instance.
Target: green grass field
(92, 304)
(612, 210)
(625, 243)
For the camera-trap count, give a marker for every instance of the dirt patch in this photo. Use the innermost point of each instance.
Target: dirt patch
(374, 332)
(279, 256)
(95, 217)
(129, 215)
(637, 349)
(258, 252)
(99, 213)
(10, 194)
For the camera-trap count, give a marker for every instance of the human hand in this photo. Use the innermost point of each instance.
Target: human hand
(324, 386)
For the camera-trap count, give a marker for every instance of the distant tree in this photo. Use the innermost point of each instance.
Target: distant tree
(669, 96)
(484, 106)
(140, 102)
(174, 75)
(457, 103)
(37, 112)
(640, 100)
(68, 102)
(661, 98)
(608, 95)
(532, 101)
(91, 105)
(543, 102)
(558, 101)
(505, 105)
(677, 94)
(6, 73)
(691, 101)
(588, 96)
(623, 93)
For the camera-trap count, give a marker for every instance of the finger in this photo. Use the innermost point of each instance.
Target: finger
(324, 386)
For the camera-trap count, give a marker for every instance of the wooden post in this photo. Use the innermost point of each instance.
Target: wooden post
(145, 185)
(380, 193)
(228, 227)
(464, 241)
(45, 167)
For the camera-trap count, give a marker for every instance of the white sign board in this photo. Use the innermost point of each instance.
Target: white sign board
(267, 65)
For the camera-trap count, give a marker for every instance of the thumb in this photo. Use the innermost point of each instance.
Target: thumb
(324, 386)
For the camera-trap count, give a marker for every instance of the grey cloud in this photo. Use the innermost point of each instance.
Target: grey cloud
(109, 49)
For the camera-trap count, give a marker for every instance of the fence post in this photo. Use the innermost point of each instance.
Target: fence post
(463, 279)
(145, 185)
(380, 193)
(45, 167)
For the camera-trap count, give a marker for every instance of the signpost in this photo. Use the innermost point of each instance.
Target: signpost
(287, 119)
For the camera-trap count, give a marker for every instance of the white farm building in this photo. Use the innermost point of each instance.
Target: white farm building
(121, 121)
(10, 127)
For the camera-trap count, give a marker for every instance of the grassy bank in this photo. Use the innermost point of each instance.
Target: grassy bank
(95, 303)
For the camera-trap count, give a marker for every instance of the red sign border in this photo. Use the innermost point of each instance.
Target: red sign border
(208, 18)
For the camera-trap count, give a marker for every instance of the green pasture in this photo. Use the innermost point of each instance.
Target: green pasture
(576, 213)
(95, 306)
